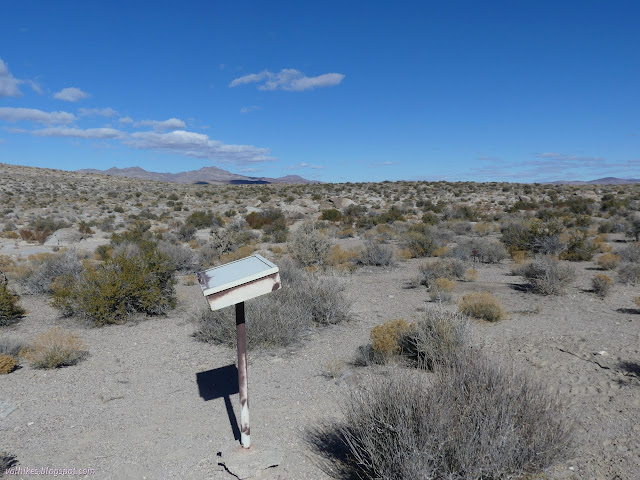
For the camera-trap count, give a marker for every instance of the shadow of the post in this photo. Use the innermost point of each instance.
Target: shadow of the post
(221, 382)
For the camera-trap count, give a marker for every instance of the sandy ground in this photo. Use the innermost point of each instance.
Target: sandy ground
(134, 409)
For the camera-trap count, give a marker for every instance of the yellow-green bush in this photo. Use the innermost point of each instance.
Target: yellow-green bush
(10, 311)
(442, 290)
(601, 284)
(385, 337)
(138, 278)
(7, 364)
(482, 305)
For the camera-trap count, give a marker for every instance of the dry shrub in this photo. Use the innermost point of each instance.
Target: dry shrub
(442, 290)
(376, 254)
(608, 261)
(471, 275)
(436, 338)
(600, 243)
(281, 318)
(385, 337)
(55, 348)
(629, 273)
(547, 276)
(636, 300)
(242, 252)
(441, 252)
(342, 259)
(482, 305)
(50, 267)
(10, 311)
(309, 246)
(518, 256)
(474, 420)
(450, 268)
(601, 284)
(7, 364)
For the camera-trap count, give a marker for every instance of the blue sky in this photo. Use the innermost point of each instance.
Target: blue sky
(333, 91)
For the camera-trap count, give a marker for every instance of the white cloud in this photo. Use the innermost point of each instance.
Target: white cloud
(288, 79)
(11, 114)
(70, 94)
(170, 124)
(304, 165)
(250, 170)
(101, 133)
(249, 109)
(198, 145)
(381, 164)
(8, 83)
(97, 112)
(34, 86)
(125, 120)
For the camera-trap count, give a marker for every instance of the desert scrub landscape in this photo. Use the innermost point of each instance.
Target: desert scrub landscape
(424, 329)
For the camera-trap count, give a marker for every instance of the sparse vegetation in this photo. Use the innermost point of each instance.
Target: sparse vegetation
(54, 348)
(138, 278)
(10, 310)
(547, 276)
(601, 284)
(482, 305)
(401, 427)
(283, 317)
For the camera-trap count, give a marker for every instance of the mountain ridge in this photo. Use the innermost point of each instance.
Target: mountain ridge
(203, 176)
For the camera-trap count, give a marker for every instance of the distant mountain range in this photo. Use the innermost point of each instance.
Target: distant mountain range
(204, 176)
(599, 181)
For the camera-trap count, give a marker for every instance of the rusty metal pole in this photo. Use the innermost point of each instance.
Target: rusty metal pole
(243, 380)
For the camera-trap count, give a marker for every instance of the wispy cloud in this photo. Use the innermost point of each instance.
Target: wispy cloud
(551, 166)
(250, 170)
(125, 120)
(101, 133)
(170, 124)
(304, 165)
(97, 112)
(71, 94)
(380, 164)
(198, 145)
(8, 83)
(12, 114)
(249, 109)
(288, 79)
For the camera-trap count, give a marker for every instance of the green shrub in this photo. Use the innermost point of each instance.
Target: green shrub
(137, 278)
(332, 215)
(201, 219)
(258, 220)
(579, 248)
(10, 311)
(419, 241)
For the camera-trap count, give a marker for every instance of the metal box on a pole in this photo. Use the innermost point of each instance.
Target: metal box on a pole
(232, 284)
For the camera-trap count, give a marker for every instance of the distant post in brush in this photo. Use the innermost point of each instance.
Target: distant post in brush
(232, 284)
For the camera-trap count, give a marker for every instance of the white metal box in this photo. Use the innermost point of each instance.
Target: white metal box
(237, 281)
